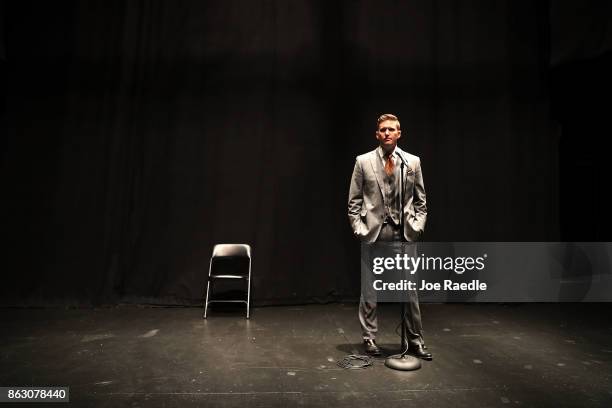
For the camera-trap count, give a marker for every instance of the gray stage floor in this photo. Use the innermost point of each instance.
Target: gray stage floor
(484, 356)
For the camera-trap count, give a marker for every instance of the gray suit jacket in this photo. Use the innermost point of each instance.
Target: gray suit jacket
(366, 200)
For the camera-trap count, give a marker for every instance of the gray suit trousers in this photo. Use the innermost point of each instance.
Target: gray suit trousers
(367, 309)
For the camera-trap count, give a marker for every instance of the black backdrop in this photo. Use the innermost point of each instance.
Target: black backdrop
(139, 134)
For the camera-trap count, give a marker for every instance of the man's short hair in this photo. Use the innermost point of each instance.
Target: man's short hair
(387, 116)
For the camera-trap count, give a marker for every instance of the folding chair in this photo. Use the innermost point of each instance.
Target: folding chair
(229, 251)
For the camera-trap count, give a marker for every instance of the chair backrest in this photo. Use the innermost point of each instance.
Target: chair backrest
(224, 250)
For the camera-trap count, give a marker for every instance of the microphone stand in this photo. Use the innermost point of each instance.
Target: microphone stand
(403, 361)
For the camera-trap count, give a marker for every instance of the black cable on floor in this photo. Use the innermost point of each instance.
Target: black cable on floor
(355, 362)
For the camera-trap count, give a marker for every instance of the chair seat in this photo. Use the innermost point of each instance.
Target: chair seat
(231, 251)
(229, 276)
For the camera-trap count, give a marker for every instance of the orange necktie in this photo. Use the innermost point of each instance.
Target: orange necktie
(389, 166)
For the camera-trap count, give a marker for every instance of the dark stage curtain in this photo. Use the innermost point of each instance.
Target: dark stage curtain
(580, 89)
(139, 134)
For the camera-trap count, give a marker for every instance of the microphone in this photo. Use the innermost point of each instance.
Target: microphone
(403, 159)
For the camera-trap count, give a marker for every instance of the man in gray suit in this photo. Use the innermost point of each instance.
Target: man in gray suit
(374, 214)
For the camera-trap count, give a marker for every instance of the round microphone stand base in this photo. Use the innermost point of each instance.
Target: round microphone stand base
(403, 363)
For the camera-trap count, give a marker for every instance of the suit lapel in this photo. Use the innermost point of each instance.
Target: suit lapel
(407, 171)
(377, 168)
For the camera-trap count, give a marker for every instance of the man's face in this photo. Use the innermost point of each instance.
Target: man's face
(387, 134)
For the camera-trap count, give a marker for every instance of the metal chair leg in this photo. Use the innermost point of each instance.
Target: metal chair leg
(249, 291)
(207, 289)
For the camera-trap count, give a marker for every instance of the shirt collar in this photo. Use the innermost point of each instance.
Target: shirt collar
(381, 153)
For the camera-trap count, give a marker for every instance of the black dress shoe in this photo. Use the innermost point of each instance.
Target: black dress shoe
(371, 347)
(418, 350)
(406, 345)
